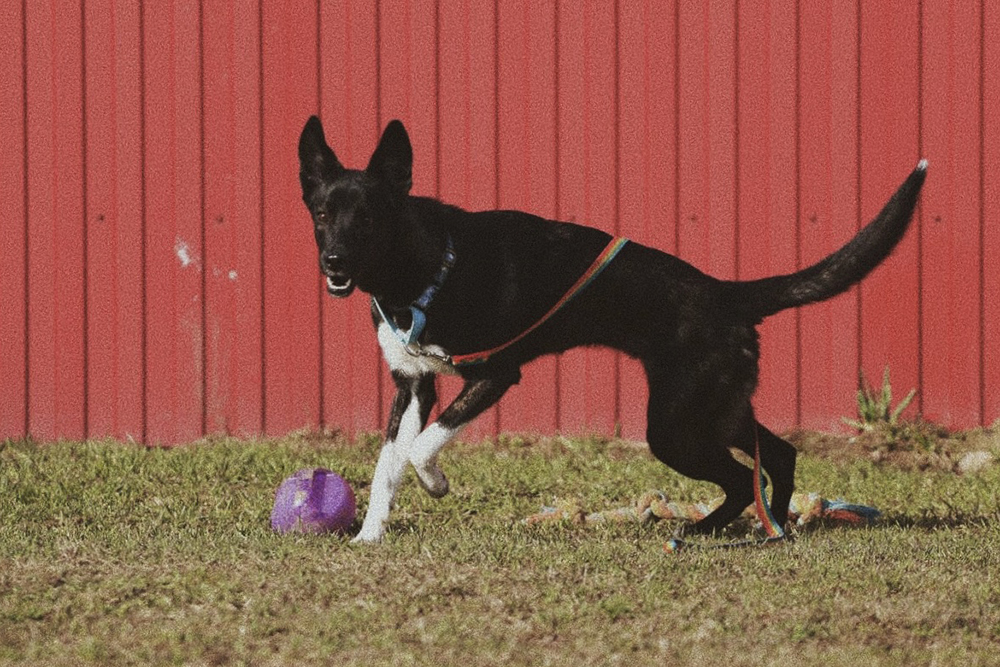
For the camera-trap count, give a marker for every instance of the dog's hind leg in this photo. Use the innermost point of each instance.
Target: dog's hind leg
(409, 413)
(695, 442)
(475, 397)
(707, 461)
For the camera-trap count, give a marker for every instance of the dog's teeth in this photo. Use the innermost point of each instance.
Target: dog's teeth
(334, 287)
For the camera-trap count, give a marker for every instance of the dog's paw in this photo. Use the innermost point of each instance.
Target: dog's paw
(432, 479)
(368, 537)
(372, 531)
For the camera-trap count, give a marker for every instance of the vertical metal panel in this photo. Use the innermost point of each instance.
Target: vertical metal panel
(890, 147)
(951, 255)
(601, 160)
(467, 142)
(160, 282)
(828, 207)
(721, 133)
(232, 105)
(595, 377)
(56, 237)
(768, 160)
(571, 180)
(526, 135)
(13, 224)
(989, 213)
(114, 269)
(707, 65)
(587, 187)
(292, 295)
(348, 82)
(174, 229)
(647, 169)
(693, 146)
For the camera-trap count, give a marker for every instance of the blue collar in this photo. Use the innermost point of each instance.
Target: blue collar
(419, 307)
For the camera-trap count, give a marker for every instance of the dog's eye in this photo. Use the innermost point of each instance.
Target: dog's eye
(321, 216)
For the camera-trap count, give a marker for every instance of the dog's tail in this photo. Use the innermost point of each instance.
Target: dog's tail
(837, 272)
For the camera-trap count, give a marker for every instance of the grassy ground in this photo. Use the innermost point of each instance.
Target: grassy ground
(113, 554)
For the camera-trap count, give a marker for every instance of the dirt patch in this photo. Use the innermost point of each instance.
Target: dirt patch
(915, 445)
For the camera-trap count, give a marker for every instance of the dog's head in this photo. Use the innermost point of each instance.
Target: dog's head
(353, 211)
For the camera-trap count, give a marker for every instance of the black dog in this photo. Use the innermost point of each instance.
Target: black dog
(481, 294)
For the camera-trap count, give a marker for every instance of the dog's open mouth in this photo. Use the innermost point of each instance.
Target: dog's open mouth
(339, 285)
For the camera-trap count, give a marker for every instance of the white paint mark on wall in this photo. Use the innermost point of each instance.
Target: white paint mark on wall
(183, 252)
(231, 274)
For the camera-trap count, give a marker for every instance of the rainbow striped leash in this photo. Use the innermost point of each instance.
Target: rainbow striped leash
(601, 263)
(772, 529)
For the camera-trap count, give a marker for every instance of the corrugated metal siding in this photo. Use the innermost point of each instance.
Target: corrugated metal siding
(159, 278)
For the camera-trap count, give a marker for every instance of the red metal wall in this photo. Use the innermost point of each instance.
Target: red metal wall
(159, 279)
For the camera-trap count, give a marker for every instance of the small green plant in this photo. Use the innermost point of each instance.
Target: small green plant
(875, 409)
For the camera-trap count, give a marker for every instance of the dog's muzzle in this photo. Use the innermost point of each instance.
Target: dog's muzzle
(338, 281)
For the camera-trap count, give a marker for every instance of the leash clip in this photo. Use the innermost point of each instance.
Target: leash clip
(418, 350)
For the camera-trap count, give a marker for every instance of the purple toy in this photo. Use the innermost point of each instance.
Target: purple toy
(313, 500)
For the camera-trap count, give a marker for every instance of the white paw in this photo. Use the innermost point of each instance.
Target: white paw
(432, 479)
(367, 536)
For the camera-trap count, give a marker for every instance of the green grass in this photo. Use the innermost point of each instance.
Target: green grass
(115, 554)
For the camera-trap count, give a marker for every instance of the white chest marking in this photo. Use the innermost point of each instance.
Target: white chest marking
(401, 361)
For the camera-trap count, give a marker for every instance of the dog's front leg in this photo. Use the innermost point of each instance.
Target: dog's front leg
(409, 413)
(475, 397)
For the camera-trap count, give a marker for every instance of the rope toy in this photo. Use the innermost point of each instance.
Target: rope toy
(804, 509)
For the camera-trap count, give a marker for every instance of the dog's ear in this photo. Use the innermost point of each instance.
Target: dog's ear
(392, 161)
(317, 162)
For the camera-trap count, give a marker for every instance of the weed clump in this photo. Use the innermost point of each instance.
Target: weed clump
(909, 444)
(875, 411)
